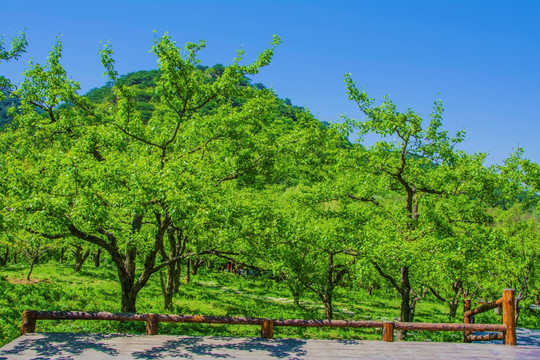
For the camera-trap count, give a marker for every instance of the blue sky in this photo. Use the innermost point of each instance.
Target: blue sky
(482, 58)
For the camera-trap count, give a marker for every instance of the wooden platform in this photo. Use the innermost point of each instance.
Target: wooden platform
(114, 346)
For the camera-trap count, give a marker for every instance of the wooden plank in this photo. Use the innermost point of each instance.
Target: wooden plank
(56, 346)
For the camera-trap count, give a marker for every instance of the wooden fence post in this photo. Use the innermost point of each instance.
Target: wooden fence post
(28, 322)
(267, 329)
(466, 318)
(152, 324)
(388, 331)
(509, 316)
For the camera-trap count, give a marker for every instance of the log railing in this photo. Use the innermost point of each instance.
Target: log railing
(508, 305)
(267, 325)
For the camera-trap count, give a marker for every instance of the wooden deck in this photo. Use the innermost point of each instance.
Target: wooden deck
(74, 346)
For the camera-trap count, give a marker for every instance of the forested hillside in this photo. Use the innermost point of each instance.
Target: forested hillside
(145, 82)
(160, 172)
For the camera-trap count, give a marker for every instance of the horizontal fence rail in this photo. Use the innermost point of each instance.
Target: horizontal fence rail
(503, 331)
(484, 308)
(329, 323)
(30, 317)
(486, 337)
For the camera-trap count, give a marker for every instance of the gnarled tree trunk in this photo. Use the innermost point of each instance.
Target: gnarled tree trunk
(80, 257)
(62, 253)
(97, 258)
(196, 263)
(177, 241)
(4, 258)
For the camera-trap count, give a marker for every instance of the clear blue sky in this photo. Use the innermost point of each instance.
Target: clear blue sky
(482, 58)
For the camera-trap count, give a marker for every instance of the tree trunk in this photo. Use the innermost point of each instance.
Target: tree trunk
(62, 252)
(296, 292)
(405, 301)
(129, 300)
(129, 295)
(453, 306)
(177, 242)
(127, 282)
(196, 264)
(295, 287)
(80, 257)
(296, 299)
(167, 292)
(523, 291)
(5, 257)
(170, 286)
(405, 295)
(97, 258)
(327, 303)
(30, 271)
(188, 271)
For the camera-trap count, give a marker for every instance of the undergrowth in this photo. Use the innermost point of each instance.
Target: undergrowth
(56, 287)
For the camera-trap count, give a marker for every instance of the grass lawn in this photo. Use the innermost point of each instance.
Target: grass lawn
(56, 287)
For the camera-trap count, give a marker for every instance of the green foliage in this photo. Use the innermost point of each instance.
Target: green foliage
(18, 47)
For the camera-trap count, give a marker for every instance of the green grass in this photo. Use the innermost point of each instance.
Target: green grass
(209, 293)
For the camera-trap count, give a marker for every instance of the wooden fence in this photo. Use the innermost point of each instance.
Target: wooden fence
(508, 305)
(505, 331)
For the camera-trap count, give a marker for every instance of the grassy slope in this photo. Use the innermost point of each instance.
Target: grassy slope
(208, 293)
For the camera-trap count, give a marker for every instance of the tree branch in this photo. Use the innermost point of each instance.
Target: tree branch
(351, 196)
(436, 294)
(386, 276)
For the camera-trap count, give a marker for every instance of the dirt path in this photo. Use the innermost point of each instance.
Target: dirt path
(305, 303)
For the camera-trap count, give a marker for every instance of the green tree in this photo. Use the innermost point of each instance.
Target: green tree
(405, 179)
(516, 255)
(104, 175)
(300, 239)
